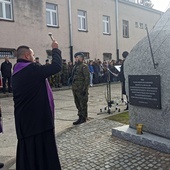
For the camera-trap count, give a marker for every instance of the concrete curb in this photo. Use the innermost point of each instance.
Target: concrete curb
(146, 139)
(9, 163)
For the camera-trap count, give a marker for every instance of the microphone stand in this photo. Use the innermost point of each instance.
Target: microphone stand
(108, 99)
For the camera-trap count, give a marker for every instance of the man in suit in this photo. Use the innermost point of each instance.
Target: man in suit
(6, 67)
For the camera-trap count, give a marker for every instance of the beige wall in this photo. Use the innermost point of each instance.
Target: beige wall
(134, 14)
(29, 27)
(94, 41)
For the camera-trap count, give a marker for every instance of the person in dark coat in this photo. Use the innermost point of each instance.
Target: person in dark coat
(34, 111)
(37, 60)
(122, 77)
(6, 67)
(96, 72)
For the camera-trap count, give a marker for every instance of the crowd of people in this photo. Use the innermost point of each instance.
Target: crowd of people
(98, 73)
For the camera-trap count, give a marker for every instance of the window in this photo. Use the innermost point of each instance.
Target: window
(49, 54)
(6, 9)
(107, 56)
(125, 29)
(86, 55)
(141, 25)
(106, 24)
(11, 53)
(51, 15)
(136, 24)
(82, 20)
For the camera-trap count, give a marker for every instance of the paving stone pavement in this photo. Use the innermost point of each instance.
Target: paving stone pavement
(89, 146)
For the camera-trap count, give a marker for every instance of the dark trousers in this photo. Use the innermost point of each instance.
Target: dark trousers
(4, 79)
(96, 78)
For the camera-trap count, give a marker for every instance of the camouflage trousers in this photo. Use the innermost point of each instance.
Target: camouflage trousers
(81, 102)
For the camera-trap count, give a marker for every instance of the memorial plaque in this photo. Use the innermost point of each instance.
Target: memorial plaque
(144, 90)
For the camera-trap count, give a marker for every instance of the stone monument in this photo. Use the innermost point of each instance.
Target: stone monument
(147, 74)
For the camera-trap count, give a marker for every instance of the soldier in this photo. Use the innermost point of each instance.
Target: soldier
(70, 69)
(80, 86)
(47, 62)
(57, 80)
(37, 60)
(64, 73)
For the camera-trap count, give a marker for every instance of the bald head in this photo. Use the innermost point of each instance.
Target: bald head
(21, 50)
(26, 53)
(6, 58)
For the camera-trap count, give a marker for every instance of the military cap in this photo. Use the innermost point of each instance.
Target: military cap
(125, 54)
(79, 54)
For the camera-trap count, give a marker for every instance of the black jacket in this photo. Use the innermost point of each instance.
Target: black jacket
(121, 73)
(6, 69)
(32, 110)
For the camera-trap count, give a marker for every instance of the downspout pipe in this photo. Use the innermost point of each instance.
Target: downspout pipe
(70, 31)
(117, 29)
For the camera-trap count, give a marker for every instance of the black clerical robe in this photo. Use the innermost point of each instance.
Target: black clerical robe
(34, 114)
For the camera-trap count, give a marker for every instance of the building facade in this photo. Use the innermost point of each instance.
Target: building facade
(100, 30)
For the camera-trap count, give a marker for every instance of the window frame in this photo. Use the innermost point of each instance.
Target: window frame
(136, 25)
(141, 25)
(51, 11)
(10, 52)
(4, 12)
(81, 17)
(125, 28)
(49, 53)
(107, 56)
(86, 55)
(106, 24)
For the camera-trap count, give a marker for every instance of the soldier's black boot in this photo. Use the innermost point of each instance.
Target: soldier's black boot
(83, 120)
(77, 121)
(1, 165)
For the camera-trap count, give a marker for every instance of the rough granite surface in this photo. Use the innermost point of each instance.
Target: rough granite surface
(139, 62)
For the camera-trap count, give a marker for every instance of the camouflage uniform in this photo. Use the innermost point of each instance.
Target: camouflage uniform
(64, 75)
(58, 79)
(80, 86)
(55, 79)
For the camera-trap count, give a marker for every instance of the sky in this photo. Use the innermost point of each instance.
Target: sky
(161, 5)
